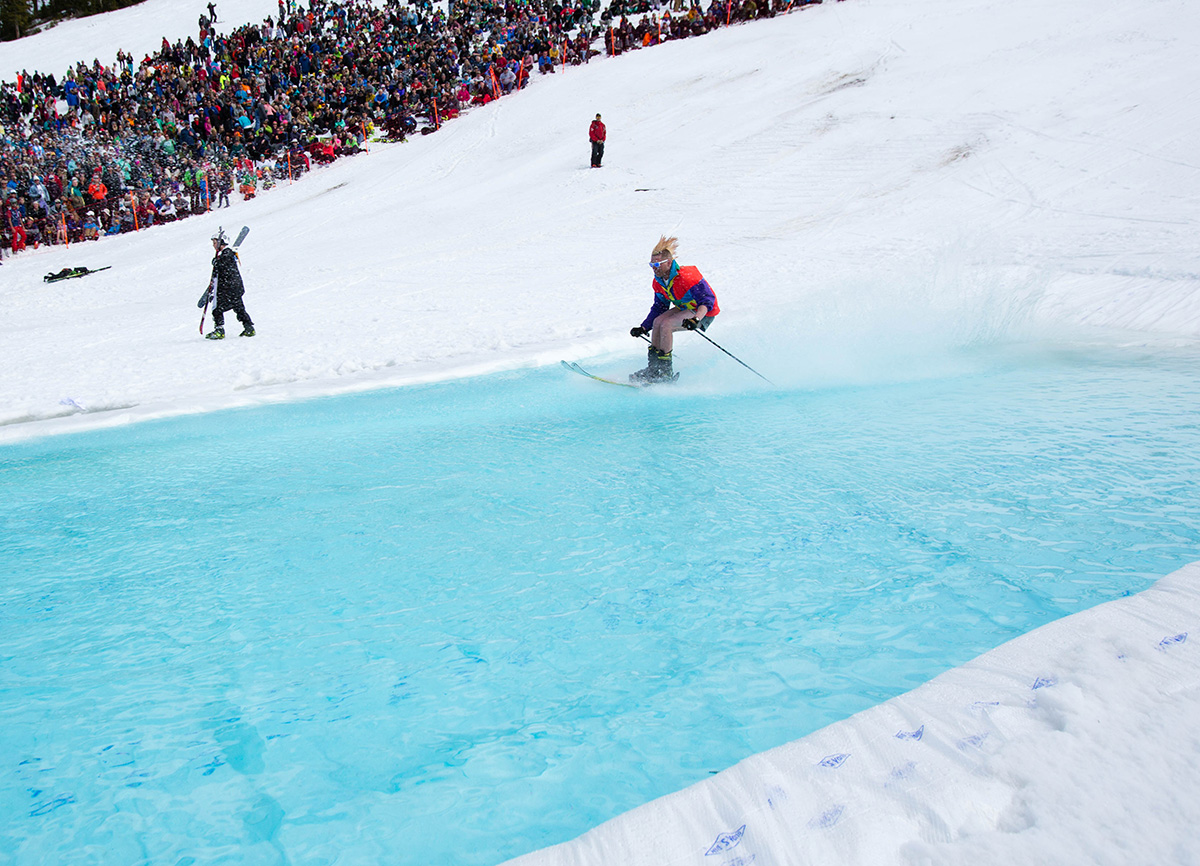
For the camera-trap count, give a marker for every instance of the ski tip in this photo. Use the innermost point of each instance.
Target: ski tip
(575, 368)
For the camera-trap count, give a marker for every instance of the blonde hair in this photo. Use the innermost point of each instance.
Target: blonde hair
(666, 245)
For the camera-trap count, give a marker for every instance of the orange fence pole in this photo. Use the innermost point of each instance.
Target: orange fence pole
(133, 201)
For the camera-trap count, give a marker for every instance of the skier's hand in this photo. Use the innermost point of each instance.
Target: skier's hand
(691, 324)
(639, 331)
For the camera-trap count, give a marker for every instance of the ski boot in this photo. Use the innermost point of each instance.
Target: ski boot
(215, 334)
(658, 369)
(247, 331)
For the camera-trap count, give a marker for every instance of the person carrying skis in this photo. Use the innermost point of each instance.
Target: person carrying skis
(227, 286)
(597, 134)
(682, 299)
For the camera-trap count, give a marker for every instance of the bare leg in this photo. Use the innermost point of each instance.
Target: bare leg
(665, 326)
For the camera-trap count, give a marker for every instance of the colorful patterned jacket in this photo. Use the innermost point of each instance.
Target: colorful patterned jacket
(685, 287)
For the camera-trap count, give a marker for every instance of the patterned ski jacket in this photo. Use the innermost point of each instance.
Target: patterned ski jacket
(685, 287)
(225, 274)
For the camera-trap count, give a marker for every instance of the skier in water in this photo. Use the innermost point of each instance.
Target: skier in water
(227, 284)
(682, 299)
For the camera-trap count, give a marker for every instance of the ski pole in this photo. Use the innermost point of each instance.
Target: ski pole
(726, 351)
(735, 357)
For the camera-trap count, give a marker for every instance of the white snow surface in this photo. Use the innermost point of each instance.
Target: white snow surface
(865, 184)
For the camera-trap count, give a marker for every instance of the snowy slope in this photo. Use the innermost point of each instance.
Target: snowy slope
(857, 178)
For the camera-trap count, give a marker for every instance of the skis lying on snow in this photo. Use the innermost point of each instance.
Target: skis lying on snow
(72, 273)
(575, 368)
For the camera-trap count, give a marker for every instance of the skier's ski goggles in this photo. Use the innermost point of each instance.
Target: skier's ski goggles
(656, 264)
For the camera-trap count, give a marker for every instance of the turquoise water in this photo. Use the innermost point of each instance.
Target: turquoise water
(454, 623)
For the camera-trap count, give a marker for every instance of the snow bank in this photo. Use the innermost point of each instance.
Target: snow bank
(1075, 743)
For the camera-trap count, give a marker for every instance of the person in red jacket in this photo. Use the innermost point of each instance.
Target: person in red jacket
(596, 135)
(682, 299)
(96, 189)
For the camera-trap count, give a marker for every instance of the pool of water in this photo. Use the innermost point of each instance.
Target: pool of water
(454, 623)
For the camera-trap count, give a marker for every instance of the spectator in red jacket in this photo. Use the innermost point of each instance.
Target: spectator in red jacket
(97, 190)
(596, 134)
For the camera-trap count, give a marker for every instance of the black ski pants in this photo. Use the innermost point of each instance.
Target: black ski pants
(226, 303)
(597, 153)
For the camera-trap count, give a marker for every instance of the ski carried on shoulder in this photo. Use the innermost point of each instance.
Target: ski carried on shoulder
(575, 368)
(72, 273)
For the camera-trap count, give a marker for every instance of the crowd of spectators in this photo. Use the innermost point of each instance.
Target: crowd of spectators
(109, 149)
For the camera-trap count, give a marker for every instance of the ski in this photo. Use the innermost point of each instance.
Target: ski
(575, 368)
(72, 273)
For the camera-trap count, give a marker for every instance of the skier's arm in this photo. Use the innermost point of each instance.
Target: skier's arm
(704, 296)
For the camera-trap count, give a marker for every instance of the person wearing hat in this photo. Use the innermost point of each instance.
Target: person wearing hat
(596, 134)
(228, 289)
